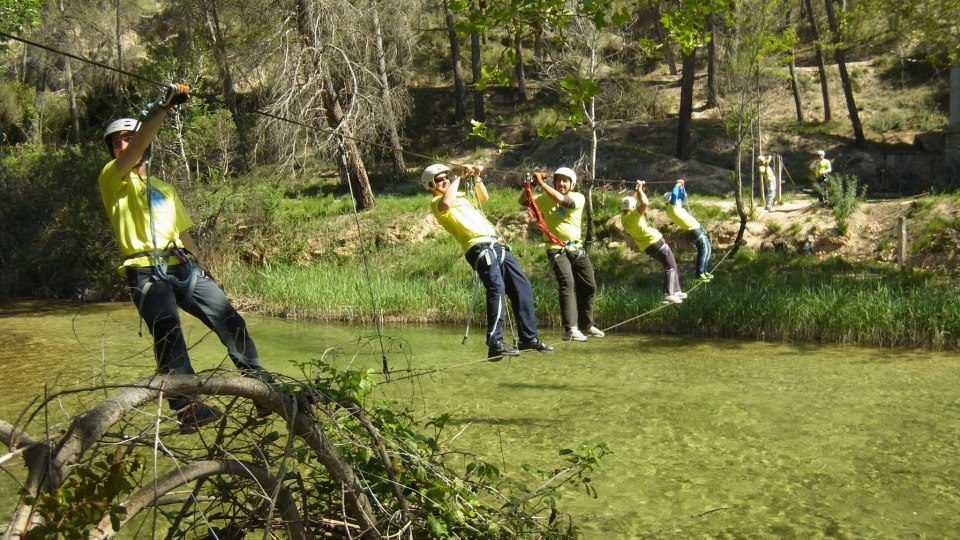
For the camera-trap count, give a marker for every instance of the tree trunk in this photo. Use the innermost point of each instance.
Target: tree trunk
(821, 62)
(359, 183)
(356, 172)
(738, 197)
(182, 477)
(49, 467)
(521, 79)
(72, 97)
(594, 143)
(668, 53)
(685, 117)
(713, 86)
(71, 93)
(460, 113)
(861, 140)
(795, 87)
(396, 148)
(215, 35)
(116, 34)
(479, 114)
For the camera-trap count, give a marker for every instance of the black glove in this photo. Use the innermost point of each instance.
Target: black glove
(175, 94)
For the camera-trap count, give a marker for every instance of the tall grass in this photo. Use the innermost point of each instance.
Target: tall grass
(762, 296)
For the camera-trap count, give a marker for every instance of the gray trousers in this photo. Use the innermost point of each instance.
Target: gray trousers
(661, 251)
(158, 308)
(576, 285)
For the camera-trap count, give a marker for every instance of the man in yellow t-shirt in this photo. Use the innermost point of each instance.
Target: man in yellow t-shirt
(821, 168)
(489, 256)
(562, 210)
(649, 240)
(150, 225)
(689, 224)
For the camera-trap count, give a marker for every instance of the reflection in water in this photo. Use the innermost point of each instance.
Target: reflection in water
(787, 440)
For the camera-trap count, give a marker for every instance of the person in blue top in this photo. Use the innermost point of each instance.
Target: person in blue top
(687, 223)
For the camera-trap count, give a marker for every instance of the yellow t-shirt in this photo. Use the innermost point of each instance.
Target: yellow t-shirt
(635, 224)
(464, 222)
(766, 173)
(563, 222)
(126, 202)
(682, 218)
(822, 167)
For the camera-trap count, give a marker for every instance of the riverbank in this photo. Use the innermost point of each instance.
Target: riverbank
(764, 296)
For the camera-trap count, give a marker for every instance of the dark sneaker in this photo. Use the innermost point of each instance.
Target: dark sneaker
(498, 350)
(534, 345)
(195, 415)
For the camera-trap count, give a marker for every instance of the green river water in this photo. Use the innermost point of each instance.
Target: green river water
(709, 437)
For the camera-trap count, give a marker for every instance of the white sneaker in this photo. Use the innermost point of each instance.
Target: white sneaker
(573, 334)
(672, 299)
(681, 295)
(595, 332)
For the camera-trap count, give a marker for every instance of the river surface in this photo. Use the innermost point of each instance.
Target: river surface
(709, 437)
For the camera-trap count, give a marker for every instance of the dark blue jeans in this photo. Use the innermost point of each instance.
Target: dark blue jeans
(704, 250)
(503, 278)
(207, 303)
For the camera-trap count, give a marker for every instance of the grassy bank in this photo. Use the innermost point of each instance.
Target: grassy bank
(762, 296)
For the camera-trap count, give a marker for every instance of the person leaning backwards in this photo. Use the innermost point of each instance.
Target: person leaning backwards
(160, 266)
(650, 241)
(687, 223)
(488, 255)
(562, 210)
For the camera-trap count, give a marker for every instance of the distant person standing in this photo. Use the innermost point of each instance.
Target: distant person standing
(821, 174)
(650, 241)
(488, 255)
(687, 223)
(562, 210)
(769, 180)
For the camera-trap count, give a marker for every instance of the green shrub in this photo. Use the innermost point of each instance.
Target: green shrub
(842, 195)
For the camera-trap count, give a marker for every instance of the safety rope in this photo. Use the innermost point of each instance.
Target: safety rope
(537, 216)
(342, 152)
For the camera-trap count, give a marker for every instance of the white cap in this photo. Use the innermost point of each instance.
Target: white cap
(428, 174)
(821, 153)
(569, 173)
(628, 203)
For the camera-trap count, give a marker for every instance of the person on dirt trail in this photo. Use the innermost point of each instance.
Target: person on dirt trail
(488, 255)
(562, 210)
(687, 223)
(821, 174)
(633, 218)
(159, 258)
(769, 179)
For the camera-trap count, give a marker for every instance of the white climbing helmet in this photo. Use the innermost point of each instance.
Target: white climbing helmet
(428, 174)
(628, 203)
(118, 125)
(569, 173)
(821, 153)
